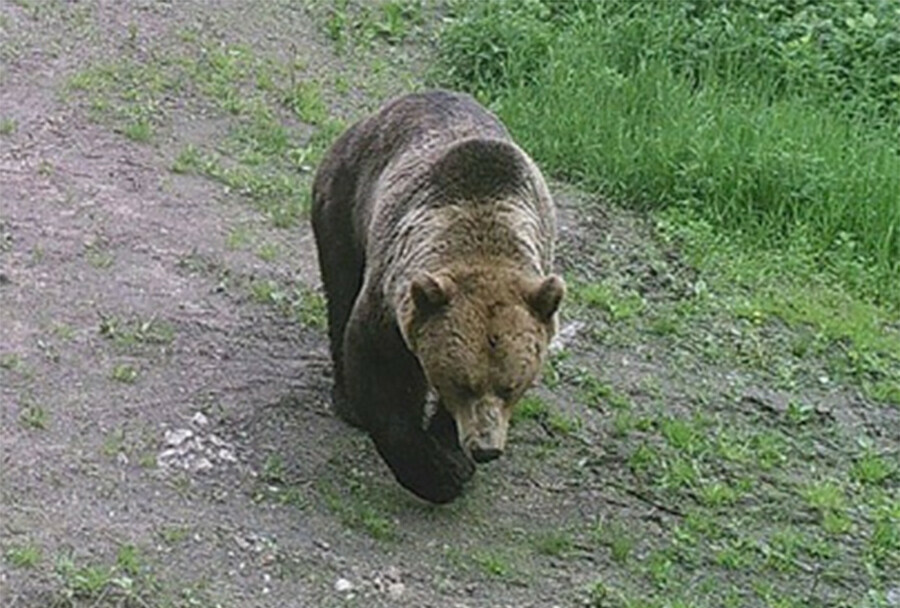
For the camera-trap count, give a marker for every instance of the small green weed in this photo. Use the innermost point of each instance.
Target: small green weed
(114, 442)
(555, 543)
(492, 563)
(33, 416)
(128, 560)
(238, 237)
(128, 333)
(273, 469)
(310, 308)
(10, 361)
(362, 24)
(139, 130)
(596, 392)
(124, 373)
(362, 507)
(829, 499)
(8, 126)
(684, 436)
(23, 556)
(617, 538)
(97, 256)
(718, 494)
(304, 99)
(267, 252)
(563, 424)
(530, 407)
(172, 535)
(871, 468)
(885, 391)
(619, 305)
(189, 159)
(124, 583)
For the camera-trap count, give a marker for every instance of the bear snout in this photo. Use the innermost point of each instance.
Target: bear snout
(482, 454)
(488, 444)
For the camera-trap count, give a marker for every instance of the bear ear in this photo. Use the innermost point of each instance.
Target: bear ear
(546, 297)
(431, 292)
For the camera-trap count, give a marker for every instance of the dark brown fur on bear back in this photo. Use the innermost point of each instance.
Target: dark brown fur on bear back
(381, 200)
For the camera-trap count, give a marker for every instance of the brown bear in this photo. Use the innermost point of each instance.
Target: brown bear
(435, 235)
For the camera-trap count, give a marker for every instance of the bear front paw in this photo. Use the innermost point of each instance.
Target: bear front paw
(426, 468)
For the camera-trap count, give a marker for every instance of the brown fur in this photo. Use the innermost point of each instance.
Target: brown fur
(435, 235)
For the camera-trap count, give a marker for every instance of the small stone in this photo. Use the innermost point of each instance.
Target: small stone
(396, 590)
(241, 542)
(321, 544)
(565, 336)
(176, 437)
(167, 454)
(202, 465)
(226, 455)
(214, 439)
(122, 459)
(200, 419)
(342, 585)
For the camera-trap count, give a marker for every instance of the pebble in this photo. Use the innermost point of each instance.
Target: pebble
(565, 336)
(342, 585)
(178, 436)
(200, 419)
(396, 590)
(202, 465)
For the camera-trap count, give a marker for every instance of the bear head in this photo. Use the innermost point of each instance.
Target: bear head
(481, 336)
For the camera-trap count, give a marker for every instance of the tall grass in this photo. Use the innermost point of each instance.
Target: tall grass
(654, 106)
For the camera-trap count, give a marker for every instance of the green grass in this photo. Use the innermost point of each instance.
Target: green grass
(556, 543)
(743, 116)
(124, 373)
(300, 302)
(265, 157)
(135, 331)
(618, 304)
(355, 23)
(34, 416)
(492, 563)
(530, 407)
(8, 126)
(23, 556)
(363, 508)
(10, 361)
(128, 580)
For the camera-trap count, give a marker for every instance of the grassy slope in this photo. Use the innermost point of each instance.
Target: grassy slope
(661, 105)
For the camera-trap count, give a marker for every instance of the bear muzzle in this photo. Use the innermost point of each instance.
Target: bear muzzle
(484, 431)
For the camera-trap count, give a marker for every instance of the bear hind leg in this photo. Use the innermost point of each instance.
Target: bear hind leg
(341, 269)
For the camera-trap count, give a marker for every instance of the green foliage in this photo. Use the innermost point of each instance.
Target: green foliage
(775, 121)
(23, 556)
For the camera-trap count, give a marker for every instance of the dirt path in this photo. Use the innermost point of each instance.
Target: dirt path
(165, 434)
